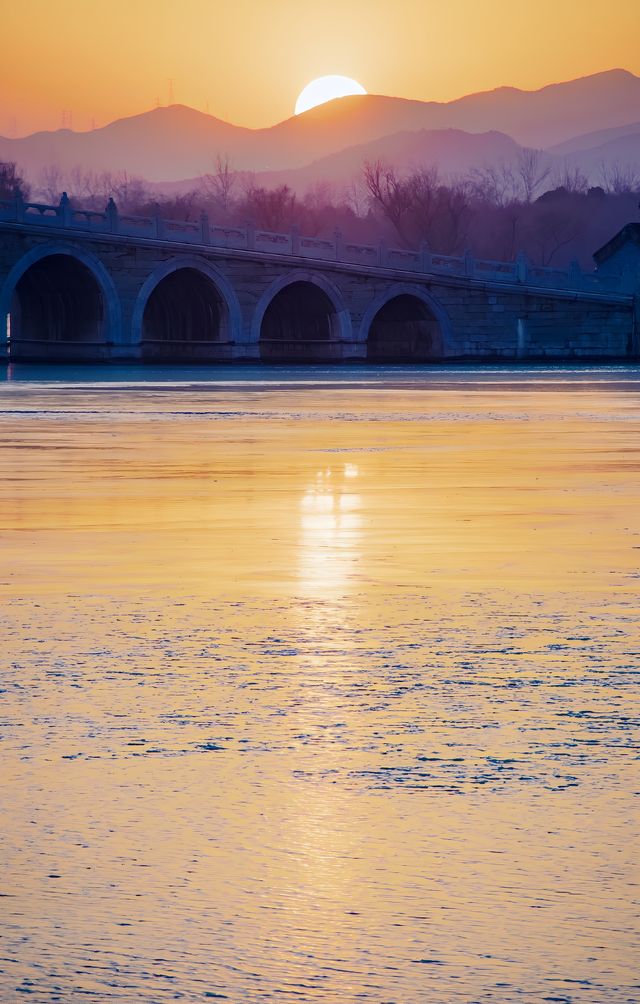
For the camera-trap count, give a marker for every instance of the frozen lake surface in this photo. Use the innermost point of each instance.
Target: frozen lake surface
(320, 684)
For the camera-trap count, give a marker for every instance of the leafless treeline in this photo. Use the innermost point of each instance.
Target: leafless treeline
(495, 211)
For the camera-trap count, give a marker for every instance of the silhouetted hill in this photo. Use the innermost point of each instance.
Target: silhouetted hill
(179, 142)
(454, 153)
(554, 113)
(165, 142)
(593, 139)
(622, 155)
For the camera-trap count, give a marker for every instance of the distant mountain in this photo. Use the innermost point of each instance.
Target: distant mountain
(622, 155)
(592, 139)
(178, 142)
(454, 153)
(166, 142)
(554, 113)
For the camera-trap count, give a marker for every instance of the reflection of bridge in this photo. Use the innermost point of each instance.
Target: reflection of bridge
(82, 286)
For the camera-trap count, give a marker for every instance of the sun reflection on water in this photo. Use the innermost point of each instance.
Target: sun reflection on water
(330, 530)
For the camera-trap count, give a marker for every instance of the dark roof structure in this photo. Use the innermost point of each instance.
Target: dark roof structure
(630, 234)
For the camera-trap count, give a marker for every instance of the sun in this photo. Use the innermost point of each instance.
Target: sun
(326, 89)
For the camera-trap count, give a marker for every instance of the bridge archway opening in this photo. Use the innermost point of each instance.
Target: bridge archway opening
(185, 319)
(57, 312)
(300, 324)
(404, 330)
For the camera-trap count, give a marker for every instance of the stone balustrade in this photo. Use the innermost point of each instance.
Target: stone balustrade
(205, 233)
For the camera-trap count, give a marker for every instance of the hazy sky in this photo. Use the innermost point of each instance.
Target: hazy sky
(247, 60)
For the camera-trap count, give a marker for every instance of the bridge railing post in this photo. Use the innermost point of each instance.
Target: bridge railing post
(382, 254)
(426, 260)
(339, 245)
(469, 262)
(295, 239)
(522, 267)
(251, 237)
(111, 215)
(205, 230)
(18, 205)
(64, 210)
(159, 222)
(575, 273)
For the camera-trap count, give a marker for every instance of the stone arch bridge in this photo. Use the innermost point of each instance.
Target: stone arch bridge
(87, 286)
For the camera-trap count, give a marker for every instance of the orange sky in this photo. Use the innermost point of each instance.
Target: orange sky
(247, 60)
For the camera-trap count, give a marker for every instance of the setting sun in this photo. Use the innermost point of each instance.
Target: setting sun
(326, 89)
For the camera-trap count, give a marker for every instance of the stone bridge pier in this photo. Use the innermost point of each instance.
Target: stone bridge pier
(83, 296)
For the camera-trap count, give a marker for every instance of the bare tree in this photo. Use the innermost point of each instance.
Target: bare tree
(532, 172)
(619, 179)
(50, 183)
(220, 183)
(356, 198)
(185, 206)
(317, 208)
(419, 206)
(127, 190)
(89, 189)
(390, 194)
(570, 178)
(452, 217)
(319, 195)
(12, 181)
(92, 189)
(494, 184)
(271, 209)
(425, 199)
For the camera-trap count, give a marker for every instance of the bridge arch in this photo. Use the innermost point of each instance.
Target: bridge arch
(405, 324)
(301, 317)
(186, 311)
(63, 306)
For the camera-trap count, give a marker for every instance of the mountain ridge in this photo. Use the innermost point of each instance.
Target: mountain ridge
(454, 152)
(176, 142)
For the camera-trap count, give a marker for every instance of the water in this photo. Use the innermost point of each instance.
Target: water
(257, 375)
(320, 685)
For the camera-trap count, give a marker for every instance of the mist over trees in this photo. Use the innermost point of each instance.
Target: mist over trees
(495, 211)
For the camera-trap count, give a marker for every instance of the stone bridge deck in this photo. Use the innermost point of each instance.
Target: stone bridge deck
(84, 285)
